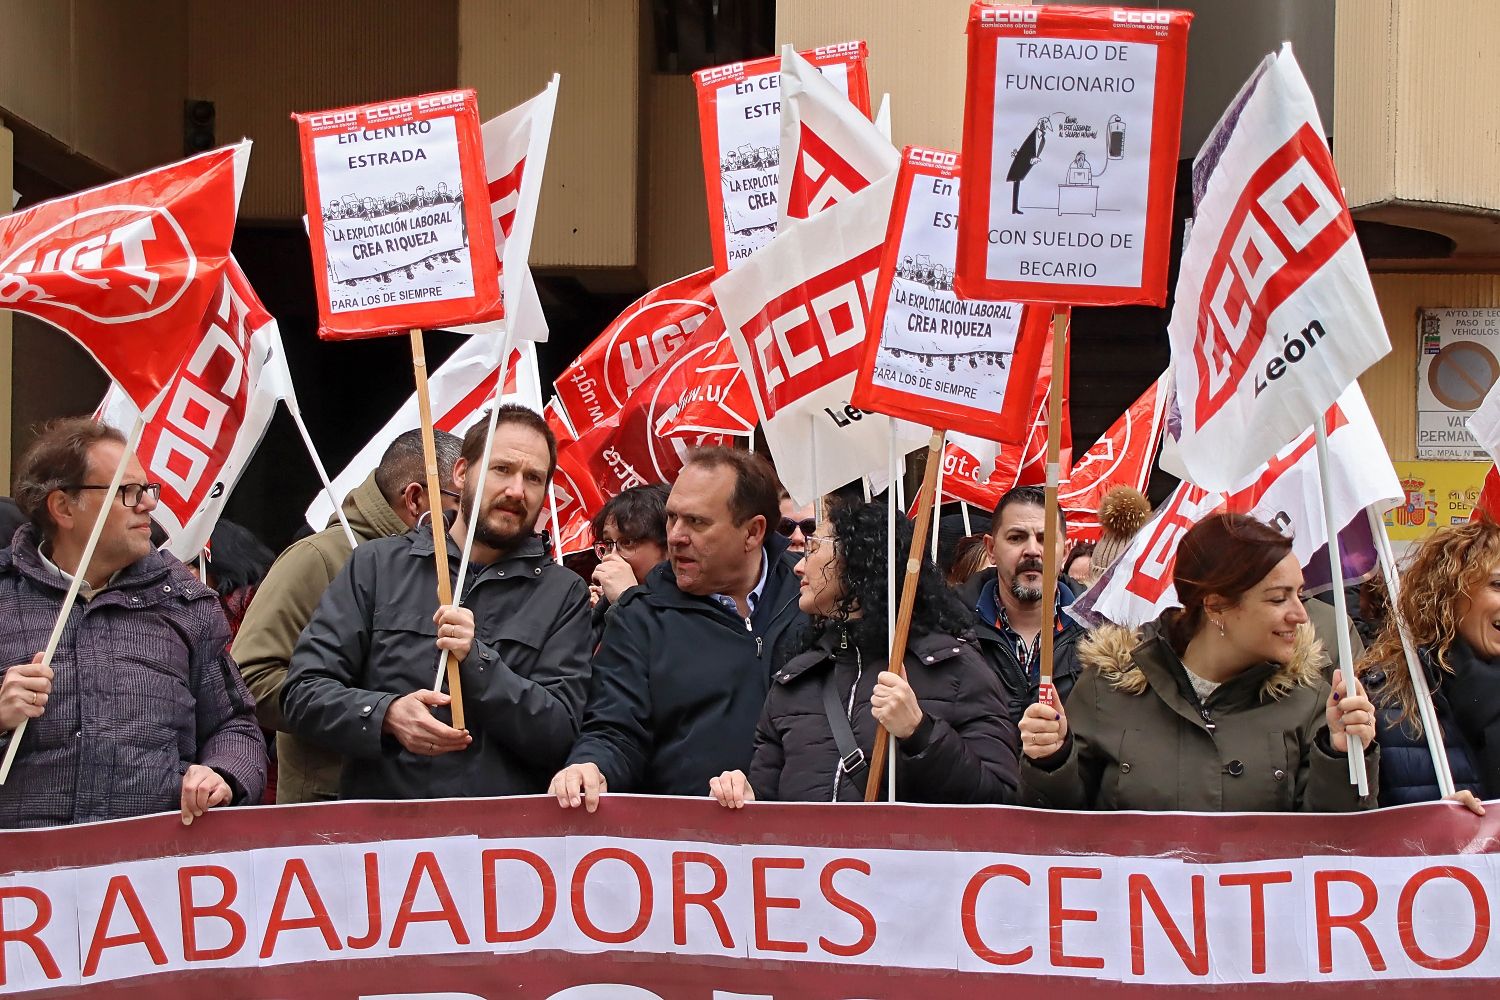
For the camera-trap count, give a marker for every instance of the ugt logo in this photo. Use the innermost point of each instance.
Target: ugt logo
(83, 263)
(809, 336)
(1288, 223)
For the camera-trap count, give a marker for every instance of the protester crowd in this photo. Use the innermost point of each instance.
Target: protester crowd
(723, 643)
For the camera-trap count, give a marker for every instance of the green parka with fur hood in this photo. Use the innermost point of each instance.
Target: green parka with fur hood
(1139, 738)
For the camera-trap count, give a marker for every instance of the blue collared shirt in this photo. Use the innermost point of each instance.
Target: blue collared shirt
(754, 597)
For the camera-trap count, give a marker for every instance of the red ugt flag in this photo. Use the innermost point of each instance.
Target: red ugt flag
(128, 269)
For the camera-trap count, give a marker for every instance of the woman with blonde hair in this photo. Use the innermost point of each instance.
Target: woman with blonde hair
(1450, 599)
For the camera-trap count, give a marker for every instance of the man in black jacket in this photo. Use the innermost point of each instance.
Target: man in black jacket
(1007, 602)
(685, 663)
(360, 680)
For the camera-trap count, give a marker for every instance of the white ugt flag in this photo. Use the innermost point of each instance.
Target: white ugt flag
(1274, 314)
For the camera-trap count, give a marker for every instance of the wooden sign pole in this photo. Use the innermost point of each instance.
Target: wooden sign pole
(1046, 693)
(908, 599)
(435, 510)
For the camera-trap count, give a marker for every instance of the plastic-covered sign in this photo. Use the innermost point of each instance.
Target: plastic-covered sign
(1072, 117)
(739, 120)
(399, 216)
(967, 365)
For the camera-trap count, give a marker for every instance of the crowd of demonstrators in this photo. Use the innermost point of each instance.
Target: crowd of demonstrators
(1450, 600)
(390, 502)
(1006, 601)
(723, 642)
(1219, 705)
(142, 709)
(630, 539)
(953, 741)
(685, 662)
(361, 678)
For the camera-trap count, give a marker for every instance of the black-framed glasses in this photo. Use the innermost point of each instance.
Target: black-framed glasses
(787, 526)
(131, 494)
(450, 493)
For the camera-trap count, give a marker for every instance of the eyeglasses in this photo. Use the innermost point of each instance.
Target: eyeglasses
(807, 526)
(815, 542)
(608, 546)
(450, 493)
(131, 494)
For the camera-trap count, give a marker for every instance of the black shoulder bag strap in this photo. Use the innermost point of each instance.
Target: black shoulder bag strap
(850, 755)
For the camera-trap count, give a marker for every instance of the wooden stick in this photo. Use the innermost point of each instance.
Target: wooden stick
(1345, 661)
(435, 512)
(79, 575)
(1046, 694)
(908, 599)
(897, 460)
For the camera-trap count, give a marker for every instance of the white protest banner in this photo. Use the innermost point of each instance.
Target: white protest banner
(1072, 117)
(1274, 314)
(829, 147)
(1484, 424)
(739, 120)
(463, 390)
(796, 313)
(1284, 493)
(515, 157)
(961, 364)
(216, 411)
(399, 216)
(773, 902)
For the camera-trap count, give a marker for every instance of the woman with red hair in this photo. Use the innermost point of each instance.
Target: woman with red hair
(1220, 705)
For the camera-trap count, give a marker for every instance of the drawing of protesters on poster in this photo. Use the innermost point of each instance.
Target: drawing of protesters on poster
(739, 117)
(398, 215)
(941, 360)
(1078, 116)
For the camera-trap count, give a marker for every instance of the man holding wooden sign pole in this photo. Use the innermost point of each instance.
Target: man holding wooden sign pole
(1095, 225)
(401, 265)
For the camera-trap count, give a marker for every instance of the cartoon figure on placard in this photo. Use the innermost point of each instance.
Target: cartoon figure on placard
(1026, 156)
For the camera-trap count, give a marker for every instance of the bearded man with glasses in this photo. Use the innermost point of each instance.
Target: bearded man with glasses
(142, 709)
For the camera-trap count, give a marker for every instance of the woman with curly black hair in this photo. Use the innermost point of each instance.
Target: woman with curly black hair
(954, 741)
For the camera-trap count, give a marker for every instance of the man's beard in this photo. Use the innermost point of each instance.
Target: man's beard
(496, 538)
(1021, 592)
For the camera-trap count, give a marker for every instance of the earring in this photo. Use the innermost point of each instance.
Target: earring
(1219, 622)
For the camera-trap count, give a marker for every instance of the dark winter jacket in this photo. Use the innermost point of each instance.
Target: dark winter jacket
(1020, 683)
(963, 751)
(1470, 698)
(1139, 738)
(372, 640)
(1406, 769)
(143, 687)
(284, 604)
(679, 682)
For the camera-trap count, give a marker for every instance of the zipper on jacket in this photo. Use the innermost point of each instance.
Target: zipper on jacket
(759, 646)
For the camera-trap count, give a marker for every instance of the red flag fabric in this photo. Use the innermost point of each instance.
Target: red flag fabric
(1122, 457)
(642, 338)
(128, 269)
(1489, 496)
(717, 399)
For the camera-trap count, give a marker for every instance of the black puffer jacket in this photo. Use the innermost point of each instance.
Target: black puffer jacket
(1406, 769)
(1021, 685)
(963, 751)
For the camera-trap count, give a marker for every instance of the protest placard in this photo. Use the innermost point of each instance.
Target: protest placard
(399, 216)
(1071, 125)
(739, 121)
(967, 365)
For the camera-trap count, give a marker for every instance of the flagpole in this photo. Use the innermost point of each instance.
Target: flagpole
(1357, 773)
(890, 570)
(908, 602)
(435, 514)
(937, 509)
(963, 509)
(81, 572)
(556, 528)
(312, 452)
(1425, 707)
(1046, 694)
(472, 522)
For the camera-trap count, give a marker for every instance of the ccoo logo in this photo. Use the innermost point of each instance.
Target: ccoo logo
(117, 264)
